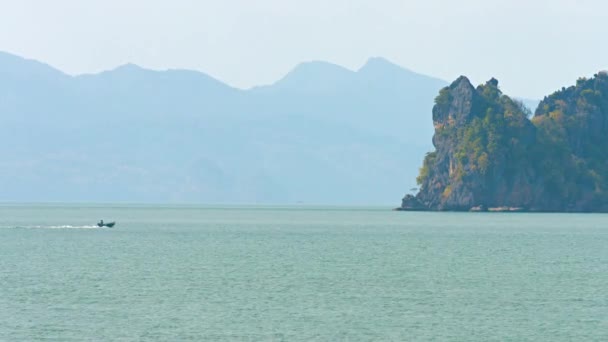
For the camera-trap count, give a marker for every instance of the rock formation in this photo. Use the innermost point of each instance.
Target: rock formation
(490, 155)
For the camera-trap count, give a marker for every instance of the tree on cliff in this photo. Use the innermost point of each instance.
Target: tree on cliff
(489, 153)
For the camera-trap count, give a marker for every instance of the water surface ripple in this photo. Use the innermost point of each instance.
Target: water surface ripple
(300, 274)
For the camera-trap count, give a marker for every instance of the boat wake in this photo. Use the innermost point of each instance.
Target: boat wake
(55, 227)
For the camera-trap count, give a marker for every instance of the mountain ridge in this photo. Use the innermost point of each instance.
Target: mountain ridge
(371, 62)
(139, 135)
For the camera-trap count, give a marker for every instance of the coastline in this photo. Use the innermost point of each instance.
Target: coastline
(502, 210)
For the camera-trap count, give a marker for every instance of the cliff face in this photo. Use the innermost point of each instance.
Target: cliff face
(489, 154)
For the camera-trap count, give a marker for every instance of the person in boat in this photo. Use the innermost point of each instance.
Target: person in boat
(104, 224)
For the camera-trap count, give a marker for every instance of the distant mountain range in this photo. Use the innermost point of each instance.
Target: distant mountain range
(323, 134)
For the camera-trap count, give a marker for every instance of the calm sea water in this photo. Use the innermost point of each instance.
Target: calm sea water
(273, 274)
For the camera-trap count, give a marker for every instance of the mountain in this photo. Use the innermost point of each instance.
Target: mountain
(489, 154)
(322, 134)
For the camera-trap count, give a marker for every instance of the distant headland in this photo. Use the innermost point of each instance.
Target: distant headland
(493, 154)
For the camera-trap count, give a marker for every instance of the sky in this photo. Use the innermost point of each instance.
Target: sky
(533, 47)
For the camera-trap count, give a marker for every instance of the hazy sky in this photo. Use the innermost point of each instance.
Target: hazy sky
(532, 46)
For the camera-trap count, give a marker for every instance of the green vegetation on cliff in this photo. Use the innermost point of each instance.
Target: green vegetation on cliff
(573, 130)
(489, 152)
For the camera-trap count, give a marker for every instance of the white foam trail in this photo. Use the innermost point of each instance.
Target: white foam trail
(57, 227)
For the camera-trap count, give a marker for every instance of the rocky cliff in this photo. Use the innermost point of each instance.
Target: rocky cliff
(491, 154)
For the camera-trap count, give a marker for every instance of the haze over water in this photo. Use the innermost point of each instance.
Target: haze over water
(286, 273)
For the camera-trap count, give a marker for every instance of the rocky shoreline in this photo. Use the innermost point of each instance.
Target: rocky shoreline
(475, 209)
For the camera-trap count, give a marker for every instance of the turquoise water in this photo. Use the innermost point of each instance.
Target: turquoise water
(274, 274)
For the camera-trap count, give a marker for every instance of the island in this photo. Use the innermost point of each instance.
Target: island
(494, 154)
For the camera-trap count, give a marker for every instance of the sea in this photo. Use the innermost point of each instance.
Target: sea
(272, 273)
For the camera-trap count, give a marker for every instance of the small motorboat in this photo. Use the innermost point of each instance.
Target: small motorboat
(101, 224)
